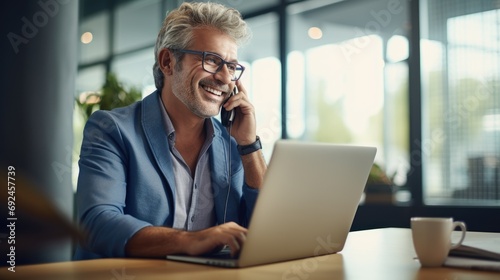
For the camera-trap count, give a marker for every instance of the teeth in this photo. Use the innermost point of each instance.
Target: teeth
(214, 91)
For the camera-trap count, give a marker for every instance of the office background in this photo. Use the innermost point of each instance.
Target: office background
(417, 79)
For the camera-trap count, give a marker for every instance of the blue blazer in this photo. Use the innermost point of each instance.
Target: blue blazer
(126, 180)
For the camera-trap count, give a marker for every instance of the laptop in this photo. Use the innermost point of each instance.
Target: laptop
(306, 206)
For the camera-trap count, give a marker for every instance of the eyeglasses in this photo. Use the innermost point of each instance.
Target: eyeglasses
(213, 63)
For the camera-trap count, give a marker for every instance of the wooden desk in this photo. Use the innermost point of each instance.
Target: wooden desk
(372, 254)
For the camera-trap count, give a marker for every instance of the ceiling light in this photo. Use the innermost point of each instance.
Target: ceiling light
(87, 37)
(315, 33)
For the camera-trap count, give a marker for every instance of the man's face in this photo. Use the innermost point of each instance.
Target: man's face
(202, 92)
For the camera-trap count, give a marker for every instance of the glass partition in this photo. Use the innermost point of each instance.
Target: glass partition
(460, 61)
(348, 78)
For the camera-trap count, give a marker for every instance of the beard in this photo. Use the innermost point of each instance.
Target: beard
(188, 93)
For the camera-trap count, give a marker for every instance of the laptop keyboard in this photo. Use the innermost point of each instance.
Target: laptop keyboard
(224, 254)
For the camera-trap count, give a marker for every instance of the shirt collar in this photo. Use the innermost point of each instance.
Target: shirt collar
(169, 127)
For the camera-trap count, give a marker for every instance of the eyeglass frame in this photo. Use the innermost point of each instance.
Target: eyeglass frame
(219, 67)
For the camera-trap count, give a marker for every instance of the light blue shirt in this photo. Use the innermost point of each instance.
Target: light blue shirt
(194, 204)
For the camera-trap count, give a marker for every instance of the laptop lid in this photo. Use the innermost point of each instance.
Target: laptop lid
(307, 204)
(308, 201)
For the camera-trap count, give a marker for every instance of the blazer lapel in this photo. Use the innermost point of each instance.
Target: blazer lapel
(156, 136)
(220, 175)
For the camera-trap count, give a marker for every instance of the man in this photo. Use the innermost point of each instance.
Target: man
(154, 176)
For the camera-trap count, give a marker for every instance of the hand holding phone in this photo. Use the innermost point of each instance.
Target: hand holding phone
(226, 116)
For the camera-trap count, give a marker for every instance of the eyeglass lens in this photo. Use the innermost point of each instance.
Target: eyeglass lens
(214, 63)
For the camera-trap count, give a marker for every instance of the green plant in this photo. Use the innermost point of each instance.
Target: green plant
(378, 176)
(112, 95)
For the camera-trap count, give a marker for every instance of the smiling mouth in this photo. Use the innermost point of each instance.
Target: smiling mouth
(213, 91)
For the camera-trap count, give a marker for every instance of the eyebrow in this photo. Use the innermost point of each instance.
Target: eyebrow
(232, 61)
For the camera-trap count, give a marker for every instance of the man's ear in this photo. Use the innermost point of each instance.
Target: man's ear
(166, 61)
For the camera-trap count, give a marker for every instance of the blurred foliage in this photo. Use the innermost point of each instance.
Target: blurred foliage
(378, 176)
(112, 95)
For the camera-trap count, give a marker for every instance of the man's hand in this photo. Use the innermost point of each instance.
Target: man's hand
(244, 125)
(215, 238)
(244, 132)
(161, 241)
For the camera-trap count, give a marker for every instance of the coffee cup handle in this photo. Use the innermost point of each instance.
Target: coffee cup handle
(462, 226)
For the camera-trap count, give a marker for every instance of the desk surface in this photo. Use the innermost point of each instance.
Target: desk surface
(372, 254)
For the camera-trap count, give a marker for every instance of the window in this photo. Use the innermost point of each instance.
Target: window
(460, 60)
(262, 77)
(348, 77)
(244, 6)
(136, 70)
(136, 25)
(95, 47)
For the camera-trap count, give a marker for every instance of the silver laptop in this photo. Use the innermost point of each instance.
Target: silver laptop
(306, 207)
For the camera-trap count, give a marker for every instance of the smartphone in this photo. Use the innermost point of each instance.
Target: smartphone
(227, 117)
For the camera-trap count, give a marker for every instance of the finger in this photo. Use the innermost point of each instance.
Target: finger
(235, 101)
(241, 87)
(238, 234)
(231, 102)
(243, 237)
(235, 248)
(235, 236)
(234, 226)
(236, 244)
(240, 238)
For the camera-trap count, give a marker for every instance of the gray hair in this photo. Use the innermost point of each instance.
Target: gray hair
(178, 26)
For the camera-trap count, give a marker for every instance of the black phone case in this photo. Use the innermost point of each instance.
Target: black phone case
(227, 117)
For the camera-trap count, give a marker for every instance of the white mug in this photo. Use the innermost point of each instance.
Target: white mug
(432, 239)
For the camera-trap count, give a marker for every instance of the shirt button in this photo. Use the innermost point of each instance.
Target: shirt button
(192, 218)
(195, 186)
